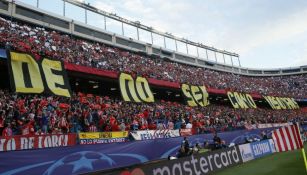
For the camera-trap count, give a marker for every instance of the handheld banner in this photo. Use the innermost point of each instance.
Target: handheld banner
(30, 76)
(186, 132)
(154, 134)
(240, 100)
(195, 95)
(88, 138)
(137, 90)
(281, 103)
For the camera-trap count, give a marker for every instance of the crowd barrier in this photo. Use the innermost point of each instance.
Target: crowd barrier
(89, 138)
(88, 158)
(37, 141)
(155, 134)
(19, 142)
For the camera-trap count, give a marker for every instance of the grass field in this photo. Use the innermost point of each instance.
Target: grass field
(287, 163)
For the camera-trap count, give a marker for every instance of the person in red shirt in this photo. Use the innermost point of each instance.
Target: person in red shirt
(101, 122)
(63, 124)
(144, 125)
(112, 120)
(108, 127)
(28, 128)
(115, 126)
(127, 127)
(39, 132)
(56, 130)
(7, 132)
(146, 113)
(1, 123)
(152, 126)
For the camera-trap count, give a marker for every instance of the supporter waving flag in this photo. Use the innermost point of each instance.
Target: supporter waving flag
(287, 138)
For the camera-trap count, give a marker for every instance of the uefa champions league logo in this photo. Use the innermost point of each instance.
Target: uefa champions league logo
(79, 162)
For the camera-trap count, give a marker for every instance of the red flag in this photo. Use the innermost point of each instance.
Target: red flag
(287, 138)
(304, 109)
(64, 105)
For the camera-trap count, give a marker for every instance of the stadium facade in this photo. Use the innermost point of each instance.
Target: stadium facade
(24, 12)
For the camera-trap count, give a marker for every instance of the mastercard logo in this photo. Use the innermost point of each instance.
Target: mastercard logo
(136, 171)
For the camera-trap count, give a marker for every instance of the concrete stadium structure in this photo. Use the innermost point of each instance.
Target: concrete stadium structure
(20, 11)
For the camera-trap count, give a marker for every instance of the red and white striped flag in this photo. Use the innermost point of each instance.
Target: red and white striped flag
(287, 138)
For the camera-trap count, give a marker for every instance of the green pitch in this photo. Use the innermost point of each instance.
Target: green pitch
(286, 163)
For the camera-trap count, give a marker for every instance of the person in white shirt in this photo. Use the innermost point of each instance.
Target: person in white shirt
(189, 126)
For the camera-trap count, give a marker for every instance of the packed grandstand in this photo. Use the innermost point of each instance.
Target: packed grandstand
(96, 103)
(50, 114)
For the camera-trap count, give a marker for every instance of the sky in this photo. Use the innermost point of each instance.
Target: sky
(266, 34)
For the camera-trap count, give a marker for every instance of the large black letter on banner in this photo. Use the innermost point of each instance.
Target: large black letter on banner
(135, 90)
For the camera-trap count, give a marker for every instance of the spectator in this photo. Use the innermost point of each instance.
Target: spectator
(217, 141)
(182, 152)
(186, 144)
(28, 128)
(196, 149)
(2, 119)
(24, 115)
(39, 41)
(7, 132)
(170, 124)
(122, 126)
(189, 126)
(264, 135)
(92, 128)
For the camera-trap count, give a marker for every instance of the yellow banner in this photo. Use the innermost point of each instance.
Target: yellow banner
(31, 76)
(195, 95)
(25, 73)
(240, 100)
(137, 90)
(103, 135)
(281, 102)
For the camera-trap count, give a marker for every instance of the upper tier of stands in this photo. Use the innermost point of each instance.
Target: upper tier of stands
(40, 41)
(37, 16)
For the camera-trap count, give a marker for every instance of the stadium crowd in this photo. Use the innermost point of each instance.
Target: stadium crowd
(40, 41)
(37, 114)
